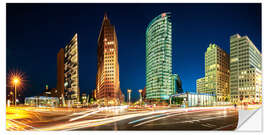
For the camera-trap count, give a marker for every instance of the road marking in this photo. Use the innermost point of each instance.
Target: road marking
(208, 118)
(12, 125)
(163, 118)
(97, 122)
(208, 125)
(85, 115)
(188, 121)
(24, 124)
(83, 112)
(112, 108)
(146, 118)
(224, 127)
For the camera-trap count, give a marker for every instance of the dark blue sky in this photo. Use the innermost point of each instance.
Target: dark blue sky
(36, 32)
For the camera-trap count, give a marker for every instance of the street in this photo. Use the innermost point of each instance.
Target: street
(121, 118)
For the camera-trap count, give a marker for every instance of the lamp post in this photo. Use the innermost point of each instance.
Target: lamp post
(15, 81)
(140, 91)
(129, 92)
(185, 102)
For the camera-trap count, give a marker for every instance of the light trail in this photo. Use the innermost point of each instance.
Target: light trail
(80, 117)
(208, 125)
(161, 118)
(97, 122)
(73, 125)
(207, 118)
(198, 119)
(23, 124)
(146, 118)
(224, 127)
(114, 108)
(199, 109)
(119, 118)
(83, 112)
(11, 126)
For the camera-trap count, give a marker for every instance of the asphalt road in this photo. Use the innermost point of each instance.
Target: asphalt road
(194, 120)
(121, 119)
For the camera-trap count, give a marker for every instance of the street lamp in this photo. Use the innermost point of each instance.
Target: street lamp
(129, 92)
(140, 91)
(16, 81)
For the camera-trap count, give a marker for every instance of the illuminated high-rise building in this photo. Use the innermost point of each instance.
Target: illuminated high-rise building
(71, 69)
(246, 70)
(200, 86)
(68, 71)
(217, 73)
(159, 58)
(107, 79)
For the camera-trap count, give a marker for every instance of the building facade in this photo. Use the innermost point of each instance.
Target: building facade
(217, 74)
(108, 89)
(71, 69)
(176, 84)
(246, 70)
(41, 101)
(68, 72)
(190, 99)
(159, 58)
(200, 85)
(60, 72)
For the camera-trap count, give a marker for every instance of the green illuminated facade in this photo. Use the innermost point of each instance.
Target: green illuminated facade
(159, 58)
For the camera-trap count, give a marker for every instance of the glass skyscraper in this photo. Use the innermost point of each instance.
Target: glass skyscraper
(159, 58)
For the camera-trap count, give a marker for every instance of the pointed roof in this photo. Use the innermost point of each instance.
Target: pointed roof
(105, 16)
(106, 21)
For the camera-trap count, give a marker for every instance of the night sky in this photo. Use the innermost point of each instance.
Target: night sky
(36, 32)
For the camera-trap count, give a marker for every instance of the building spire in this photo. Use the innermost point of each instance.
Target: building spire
(105, 16)
(106, 20)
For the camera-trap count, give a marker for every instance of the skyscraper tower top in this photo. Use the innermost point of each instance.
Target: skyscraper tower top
(162, 16)
(235, 36)
(105, 16)
(106, 20)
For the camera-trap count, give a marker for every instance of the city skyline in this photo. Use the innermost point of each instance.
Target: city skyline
(128, 70)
